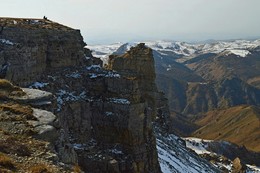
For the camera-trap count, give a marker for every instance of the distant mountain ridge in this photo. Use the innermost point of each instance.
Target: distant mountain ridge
(179, 64)
(181, 49)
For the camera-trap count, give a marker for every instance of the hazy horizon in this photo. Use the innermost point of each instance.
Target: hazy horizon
(109, 21)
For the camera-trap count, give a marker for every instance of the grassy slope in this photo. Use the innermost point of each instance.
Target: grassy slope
(240, 125)
(222, 66)
(20, 149)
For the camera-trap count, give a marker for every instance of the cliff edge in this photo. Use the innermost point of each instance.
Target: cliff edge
(104, 116)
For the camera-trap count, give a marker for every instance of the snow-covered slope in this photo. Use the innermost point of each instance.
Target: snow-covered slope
(103, 51)
(175, 157)
(201, 147)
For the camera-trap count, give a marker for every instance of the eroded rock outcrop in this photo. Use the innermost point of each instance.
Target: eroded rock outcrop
(104, 116)
(32, 46)
(108, 122)
(27, 133)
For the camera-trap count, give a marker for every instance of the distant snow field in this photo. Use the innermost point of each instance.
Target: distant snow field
(103, 51)
(186, 51)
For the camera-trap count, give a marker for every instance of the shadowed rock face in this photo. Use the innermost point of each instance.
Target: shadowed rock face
(32, 46)
(109, 121)
(104, 116)
(137, 65)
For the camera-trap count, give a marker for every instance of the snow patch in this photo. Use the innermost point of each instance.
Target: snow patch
(79, 146)
(65, 96)
(94, 75)
(241, 53)
(115, 151)
(174, 157)
(109, 74)
(38, 85)
(112, 75)
(75, 75)
(87, 58)
(94, 67)
(169, 68)
(252, 169)
(119, 101)
(7, 42)
(109, 113)
(197, 145)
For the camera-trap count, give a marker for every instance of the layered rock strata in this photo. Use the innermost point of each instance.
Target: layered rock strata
(104, 116)
(32, 46)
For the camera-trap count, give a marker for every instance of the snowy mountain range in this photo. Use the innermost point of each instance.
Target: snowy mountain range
(181, 51)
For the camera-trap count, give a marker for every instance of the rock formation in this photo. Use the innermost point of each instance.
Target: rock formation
(26, 132)
(104, 116)
(33, 46)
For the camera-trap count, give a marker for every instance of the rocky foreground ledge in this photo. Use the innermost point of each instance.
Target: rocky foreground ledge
(27, 133)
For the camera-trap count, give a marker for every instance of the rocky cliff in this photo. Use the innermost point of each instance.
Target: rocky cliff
(104, 116)
(32, 46)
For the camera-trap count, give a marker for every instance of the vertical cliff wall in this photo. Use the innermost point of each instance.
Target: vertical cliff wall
(33, 46)
(104, 115)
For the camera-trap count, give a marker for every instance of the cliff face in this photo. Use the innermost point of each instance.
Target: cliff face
(104, 116)
(33, 46)
(137, 65)
(108, 120)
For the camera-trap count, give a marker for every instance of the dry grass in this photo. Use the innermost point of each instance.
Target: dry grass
(8, 89)
(131, 78)
(12, 145)
(76, 169)
(240, 125)
(254, 81)
(6, 162)
(25, 112)
(5, 84)
(40, 168)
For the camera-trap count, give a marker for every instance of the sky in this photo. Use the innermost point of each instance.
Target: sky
(109, 21)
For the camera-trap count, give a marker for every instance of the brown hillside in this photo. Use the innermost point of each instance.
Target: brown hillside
(240, 125)
(224, 65)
